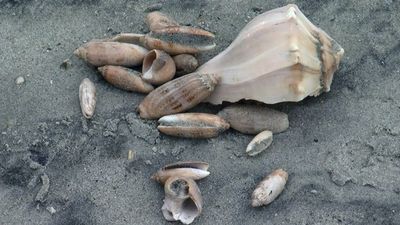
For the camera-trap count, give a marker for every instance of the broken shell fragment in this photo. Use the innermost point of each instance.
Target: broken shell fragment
(269, 188)
(87, 98)
(125, 79)
(195, 170)
(157, 20)
(183, 201)
(158, 67)
(259, 143)
(253, 119)
(177, 95)
(99, 53)
(185, 64)
(279, 56)
(192, 125)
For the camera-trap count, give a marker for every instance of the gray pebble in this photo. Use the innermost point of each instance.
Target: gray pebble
(40, 197)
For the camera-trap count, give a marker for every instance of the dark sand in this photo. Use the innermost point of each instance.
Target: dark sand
(342, 150)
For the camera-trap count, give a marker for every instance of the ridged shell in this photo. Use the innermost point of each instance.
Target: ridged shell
(269, 188)
(185, 64)
(259, 143)
(192, 169)
(183, 201)
(177, 95)
(125, 79)
(253, 119)
(87, 98)
(157, 20)
(158, 67)
(192, 125)
(99, 53)
(279, 56)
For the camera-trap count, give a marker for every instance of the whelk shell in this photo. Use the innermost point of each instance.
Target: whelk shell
(269, 188)
(158, 67)
(157, 20)
(99, 53)
(177, 95)
(125, 79)
(253, 119)
(87, 98)
(259, 143)
(195, 170)
(183, 201)
(279, 56)
(185, 64)
(192, 125)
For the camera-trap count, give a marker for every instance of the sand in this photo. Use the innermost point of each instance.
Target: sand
(342, 149)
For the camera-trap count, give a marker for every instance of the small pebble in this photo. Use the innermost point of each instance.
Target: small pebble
(148, 162)
(40, 197)
(51, 210)
(131, 154)
(66, 64)
(314, 191)
(19, 80)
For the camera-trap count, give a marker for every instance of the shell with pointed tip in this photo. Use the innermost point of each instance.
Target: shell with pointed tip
(191, 169)
(253, 119)
(177, 95)
(157, 20)
(269, 188)
(185, 64)
(259, 143)
(183, 201)
(192, 125)
(87, 98)
(125, 79)
(99, 53)
(279, 56)
(158, 67)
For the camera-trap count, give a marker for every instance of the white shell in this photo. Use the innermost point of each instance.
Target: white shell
(269, 188)
(87, 97)
(279, 56)
(259, 143)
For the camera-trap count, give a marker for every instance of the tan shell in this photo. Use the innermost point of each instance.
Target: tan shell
(173, 40)
(157, 20)
(125, 79)
(177, 95)
(183, 201)
(158, 67)
(185, 64)
(279, 56)
(253, 119)
(269, 188)
(99, 53)
(259, 143)
(191, 169)
(87, 98)
(192, 125)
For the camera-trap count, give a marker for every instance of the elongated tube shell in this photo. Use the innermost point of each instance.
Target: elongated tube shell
(158, 67)
(185, 64)
(125, 79)
(253, 119)
(177, 95)
(157, 20)
(191, 169)
(192, 125)
(269, 188)
(87, 97)
(99, 53)
(259, 143)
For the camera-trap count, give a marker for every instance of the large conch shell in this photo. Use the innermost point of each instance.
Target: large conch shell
(182, 201)
(279, 56)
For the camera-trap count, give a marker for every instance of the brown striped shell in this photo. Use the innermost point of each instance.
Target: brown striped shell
(177, 95)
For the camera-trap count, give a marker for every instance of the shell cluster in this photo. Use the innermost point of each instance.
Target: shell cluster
(280, 56)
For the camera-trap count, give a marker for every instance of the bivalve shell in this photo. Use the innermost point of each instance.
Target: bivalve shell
(98, 53)
(192, 125)
(185, 64)
(259, 143)
(177, 95)
(125, 79)
(87, 98)
(191, 169)
(269, 188)
(253, 119)
(158, 67)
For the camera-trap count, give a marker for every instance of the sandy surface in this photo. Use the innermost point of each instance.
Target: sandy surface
(342, 150)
